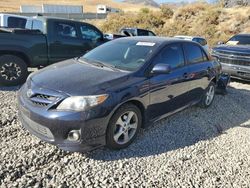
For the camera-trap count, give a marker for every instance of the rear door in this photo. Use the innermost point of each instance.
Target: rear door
(63, 40)
(169, 92)
(199, 66)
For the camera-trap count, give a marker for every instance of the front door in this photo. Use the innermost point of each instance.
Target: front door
(169, 92)
(64, 41)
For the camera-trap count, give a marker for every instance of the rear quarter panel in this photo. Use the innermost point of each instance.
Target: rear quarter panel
(33, 46)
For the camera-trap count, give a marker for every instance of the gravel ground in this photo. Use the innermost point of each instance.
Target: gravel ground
(194, 148)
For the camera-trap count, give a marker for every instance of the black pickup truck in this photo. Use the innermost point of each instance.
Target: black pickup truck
(234, 56)
(50, 41)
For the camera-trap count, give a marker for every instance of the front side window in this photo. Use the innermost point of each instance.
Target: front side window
(193, 53)
(14, 22)
(125, 55)
(65, 30)
(172, 55)
(90, 33)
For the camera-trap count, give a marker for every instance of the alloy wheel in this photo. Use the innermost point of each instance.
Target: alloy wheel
(126, 127)
(10, 71)
(210, 95)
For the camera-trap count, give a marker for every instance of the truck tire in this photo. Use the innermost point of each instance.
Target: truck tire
(13, 70)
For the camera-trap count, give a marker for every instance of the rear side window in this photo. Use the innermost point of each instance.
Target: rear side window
(172, 55)
(142, 32)
(65, 30)
(14, 22)
(194, 53)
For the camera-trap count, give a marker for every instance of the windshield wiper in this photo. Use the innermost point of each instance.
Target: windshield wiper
(100, 64)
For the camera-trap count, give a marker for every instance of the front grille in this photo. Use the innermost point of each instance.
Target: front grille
(42, 99)
(235, 54)
(234, 61)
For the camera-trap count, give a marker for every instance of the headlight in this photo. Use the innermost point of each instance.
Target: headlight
(81, 103)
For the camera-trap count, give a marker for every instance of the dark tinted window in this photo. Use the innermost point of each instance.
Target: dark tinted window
(193, 53)
(14, 22)
(142, 32)
(172, 55)
(90, 33)
(240, 39)
(65, 30)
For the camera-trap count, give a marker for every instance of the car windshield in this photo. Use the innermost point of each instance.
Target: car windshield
(239, 40)
(124, 55)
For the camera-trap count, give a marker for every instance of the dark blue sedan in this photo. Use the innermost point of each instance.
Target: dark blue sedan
(106, 96)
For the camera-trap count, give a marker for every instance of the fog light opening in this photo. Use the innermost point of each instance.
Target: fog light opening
(74, 135)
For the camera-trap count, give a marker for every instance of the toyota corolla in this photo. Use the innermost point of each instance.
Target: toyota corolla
(106, 96)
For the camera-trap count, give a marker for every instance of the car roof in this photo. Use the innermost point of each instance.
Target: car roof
(153, 39)
(44, 18)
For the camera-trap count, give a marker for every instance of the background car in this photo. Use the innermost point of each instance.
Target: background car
(202, 41)
(234, 55)
(52, 40)
(106, 96)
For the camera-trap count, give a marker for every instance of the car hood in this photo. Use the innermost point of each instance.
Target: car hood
(77, 78)
(234, 48)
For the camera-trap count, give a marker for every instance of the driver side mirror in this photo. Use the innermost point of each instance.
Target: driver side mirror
(161, 69)
(221, 42)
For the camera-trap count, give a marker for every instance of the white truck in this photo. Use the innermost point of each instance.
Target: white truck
(104, 9)
(22, 22)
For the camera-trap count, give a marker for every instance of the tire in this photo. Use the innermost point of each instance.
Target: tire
(208, 97)
(116, 133)
(13, 70)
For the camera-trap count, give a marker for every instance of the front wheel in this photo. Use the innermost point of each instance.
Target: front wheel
(123, 126)
(13, 70)
(208, 97)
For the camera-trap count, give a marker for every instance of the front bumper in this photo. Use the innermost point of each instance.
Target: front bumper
(237, 71)
(53, 126)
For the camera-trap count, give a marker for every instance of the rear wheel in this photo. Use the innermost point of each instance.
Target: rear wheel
(123, 127)
(208, 97)
(13, 70)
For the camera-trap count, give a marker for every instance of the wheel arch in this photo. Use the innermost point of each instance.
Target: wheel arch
(19, 54)
(138, 104)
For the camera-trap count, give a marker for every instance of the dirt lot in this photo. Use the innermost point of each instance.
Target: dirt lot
(194, 148)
